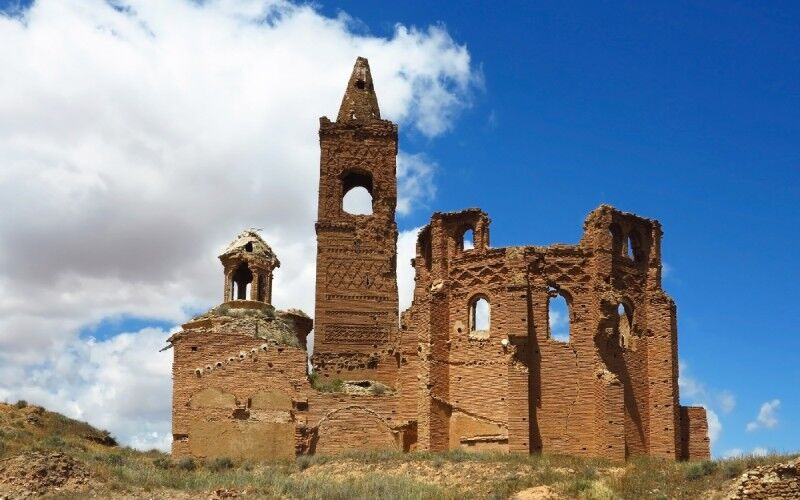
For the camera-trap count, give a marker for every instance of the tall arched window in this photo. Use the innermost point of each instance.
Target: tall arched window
(357, 193)
(357, 201)
(242, 278)
(479, 315)
(624, 324)
(558, 319)
(633, 249)
(468, 239)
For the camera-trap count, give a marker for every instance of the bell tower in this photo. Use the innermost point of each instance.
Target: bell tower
(356, 313)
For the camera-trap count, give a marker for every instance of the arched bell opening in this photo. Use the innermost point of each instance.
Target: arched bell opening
(242, 280)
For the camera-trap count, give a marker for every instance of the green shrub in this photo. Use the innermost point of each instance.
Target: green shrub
(304, 462)
(579, 485)
(21, 404)
(699, 470)
(732, 469)
(54, 441)
(186, 463)
(589, 472)
(219, 464)
(318, 383)
(115, 459)
(162, 463)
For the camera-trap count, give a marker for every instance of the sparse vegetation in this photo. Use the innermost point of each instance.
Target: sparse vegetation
(265, 322)
(363, 475)
(187, 464)
(219, 464)
(322, 385)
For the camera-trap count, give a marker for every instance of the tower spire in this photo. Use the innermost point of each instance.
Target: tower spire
(359, 102)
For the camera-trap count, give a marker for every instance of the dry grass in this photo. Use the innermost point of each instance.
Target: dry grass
(367, 475)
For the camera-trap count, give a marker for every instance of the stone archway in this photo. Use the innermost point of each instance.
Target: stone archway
(353, 428)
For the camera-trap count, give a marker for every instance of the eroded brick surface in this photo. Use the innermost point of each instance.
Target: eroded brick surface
(240, 381)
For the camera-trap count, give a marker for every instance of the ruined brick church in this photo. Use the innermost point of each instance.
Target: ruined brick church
(436, 377)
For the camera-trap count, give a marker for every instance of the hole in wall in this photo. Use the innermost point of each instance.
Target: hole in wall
(479, 314)
(361, 84)
(558, 319)
(357, 201)
(624, 324)
(242, 278)
(468, 239)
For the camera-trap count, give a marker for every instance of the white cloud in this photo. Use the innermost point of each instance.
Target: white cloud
(714, 425)
(406, 250)
(696, 393)
(689, 386)
(414, 181)
(357, 201)
(121, 384)
(760, 452)
(727, 401)
(138, 141)
(766, 418)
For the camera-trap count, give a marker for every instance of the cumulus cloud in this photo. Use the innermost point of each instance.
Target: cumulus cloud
(138, 138)
(767, 417)
(414, 181)
(727, 401)
(121, 383)
(714, 425)
(406, 250)
(697, 393)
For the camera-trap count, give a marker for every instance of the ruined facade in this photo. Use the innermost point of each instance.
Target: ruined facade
(472, 364)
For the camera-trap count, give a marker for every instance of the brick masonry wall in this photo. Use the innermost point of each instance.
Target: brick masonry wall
(694, 433)
(610, 390)
(356, 283)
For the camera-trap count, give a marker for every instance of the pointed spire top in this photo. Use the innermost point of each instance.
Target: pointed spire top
(360, 102)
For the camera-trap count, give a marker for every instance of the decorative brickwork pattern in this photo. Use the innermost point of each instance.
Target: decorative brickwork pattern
(452, 374)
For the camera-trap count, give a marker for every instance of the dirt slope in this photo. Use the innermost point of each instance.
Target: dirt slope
(43, 453)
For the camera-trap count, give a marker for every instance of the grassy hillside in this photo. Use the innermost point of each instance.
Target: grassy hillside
(46, 453)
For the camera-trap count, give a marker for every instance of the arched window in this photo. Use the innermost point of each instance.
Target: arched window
(357, 201)
(468, 239)
(479, 315)
(624, 324)
(242, 278)
(558, 320)
(357, 193)
(633, 247)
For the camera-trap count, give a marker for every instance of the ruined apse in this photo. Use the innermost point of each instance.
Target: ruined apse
(471, 365)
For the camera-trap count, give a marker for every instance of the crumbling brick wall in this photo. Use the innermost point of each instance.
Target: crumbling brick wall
(356, 286)
(694, 433)
(610, 390)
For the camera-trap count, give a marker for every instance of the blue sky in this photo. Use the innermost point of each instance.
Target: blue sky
(683, 112)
